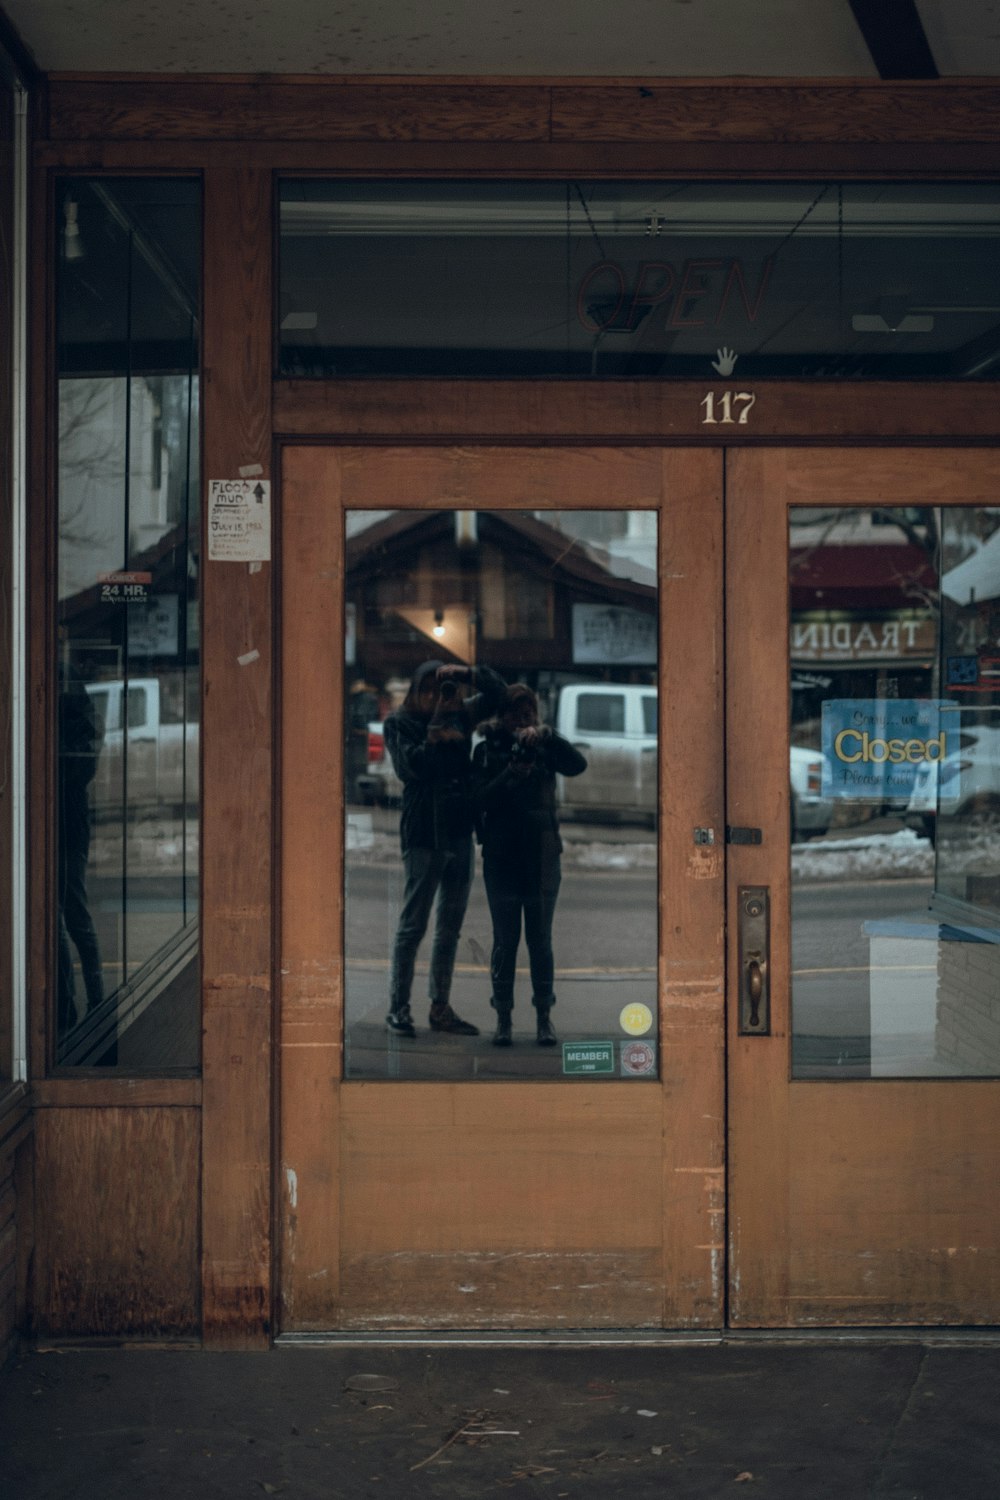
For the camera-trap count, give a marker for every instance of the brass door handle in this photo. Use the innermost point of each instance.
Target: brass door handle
(754, 927)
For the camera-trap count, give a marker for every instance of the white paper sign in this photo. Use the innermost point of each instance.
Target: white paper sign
(239, 520)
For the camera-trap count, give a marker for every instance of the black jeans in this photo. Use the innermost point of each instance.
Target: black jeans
(512, 894)
(447, 874)
(75, 920)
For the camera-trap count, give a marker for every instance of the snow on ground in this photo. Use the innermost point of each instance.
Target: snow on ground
(882, 856)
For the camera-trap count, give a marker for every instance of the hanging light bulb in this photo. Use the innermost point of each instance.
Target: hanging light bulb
(438, 624)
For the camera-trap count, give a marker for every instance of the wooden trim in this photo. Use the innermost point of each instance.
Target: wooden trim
(111, 1093)
(41, 586)
(237, 910)
(312, 942)
(667, 159)
(692, 890)
(628, 412)
(195, 108)
(757, 695)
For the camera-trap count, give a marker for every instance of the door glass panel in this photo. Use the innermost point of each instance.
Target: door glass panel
(500, 787)
(895, 791)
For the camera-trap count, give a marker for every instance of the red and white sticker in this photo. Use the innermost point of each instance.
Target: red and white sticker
(637, 1058)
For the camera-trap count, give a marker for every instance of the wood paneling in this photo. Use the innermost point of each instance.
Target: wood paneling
(117, 1243)
(854, 1202)
(269, 109)
(610, 412)
(237, 778)
(312, 658)
(507, 1206)
(640, 110)
(83, 1091)
(692, 890)
(768, 111)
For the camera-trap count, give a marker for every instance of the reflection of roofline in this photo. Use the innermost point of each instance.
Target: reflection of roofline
(567, 554)
(83, 599)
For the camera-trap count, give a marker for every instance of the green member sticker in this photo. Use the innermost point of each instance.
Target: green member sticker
(588, 1057)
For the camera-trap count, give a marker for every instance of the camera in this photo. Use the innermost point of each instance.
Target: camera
(522, 754)
(448, 691)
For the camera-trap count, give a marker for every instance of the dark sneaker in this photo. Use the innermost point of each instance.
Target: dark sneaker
(401, 1021)
(443, 1018)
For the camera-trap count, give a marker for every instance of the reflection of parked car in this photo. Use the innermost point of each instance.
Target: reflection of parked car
(153, 759)
(965, 785)
(614, 725)
(810, 810)
(378, 782)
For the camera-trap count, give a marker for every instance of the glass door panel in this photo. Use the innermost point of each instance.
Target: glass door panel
(862, 1100)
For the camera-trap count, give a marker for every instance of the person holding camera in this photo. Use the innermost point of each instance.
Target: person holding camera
(514, 773)
(429, 740)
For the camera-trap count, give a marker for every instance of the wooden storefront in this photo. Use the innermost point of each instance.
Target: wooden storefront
(270, 1194)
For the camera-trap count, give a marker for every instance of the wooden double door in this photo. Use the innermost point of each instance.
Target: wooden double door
(803, 1130)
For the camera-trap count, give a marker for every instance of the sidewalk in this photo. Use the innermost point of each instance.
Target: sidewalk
(792, 1421)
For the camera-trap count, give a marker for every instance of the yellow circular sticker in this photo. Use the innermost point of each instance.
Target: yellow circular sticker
(636, 1019)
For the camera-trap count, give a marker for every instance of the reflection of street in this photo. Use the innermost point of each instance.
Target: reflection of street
(605, 941)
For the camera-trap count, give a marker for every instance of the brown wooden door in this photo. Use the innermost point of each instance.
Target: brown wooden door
(535, 1201)
(863, 1125)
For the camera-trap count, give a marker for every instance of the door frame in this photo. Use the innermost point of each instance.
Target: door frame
(337, 1137)
(807, 1247)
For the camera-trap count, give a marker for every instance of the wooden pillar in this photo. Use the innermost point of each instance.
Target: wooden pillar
(237, 917)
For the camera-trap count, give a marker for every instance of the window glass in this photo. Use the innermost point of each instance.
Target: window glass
(128, 275)
(894, 770)
(597, 714)
(696, 281)
(649, 724)
(501, 866)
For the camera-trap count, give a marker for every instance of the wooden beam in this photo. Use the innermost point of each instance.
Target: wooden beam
(236, 779)
(895, 37)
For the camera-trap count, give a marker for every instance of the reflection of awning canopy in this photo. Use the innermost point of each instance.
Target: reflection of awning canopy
(978, 577)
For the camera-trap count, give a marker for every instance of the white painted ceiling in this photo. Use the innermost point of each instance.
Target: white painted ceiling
(513, 38)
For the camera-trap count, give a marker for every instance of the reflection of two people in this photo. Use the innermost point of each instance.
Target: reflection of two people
(514, 774)
(79, 747)
(511, 794)
(429, 739)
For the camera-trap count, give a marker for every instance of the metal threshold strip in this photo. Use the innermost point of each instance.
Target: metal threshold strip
(627, 1338)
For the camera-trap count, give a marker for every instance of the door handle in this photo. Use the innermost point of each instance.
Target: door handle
(754, 927)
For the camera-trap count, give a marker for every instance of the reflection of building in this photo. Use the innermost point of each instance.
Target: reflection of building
(501, 587)
(863, 602)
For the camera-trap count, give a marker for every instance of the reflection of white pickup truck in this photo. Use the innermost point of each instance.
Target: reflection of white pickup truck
(614, 726)
(148, 754)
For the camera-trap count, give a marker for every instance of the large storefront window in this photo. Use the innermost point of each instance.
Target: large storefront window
(895, 780)
(501, 794)
(796, 281)
(127, 644)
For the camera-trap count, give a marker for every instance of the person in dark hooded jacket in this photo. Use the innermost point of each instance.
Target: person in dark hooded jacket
(429, 741)
(514, 775)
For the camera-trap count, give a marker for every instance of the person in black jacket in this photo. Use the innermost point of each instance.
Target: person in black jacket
(80, 737)
(429, 741)
(514, 773)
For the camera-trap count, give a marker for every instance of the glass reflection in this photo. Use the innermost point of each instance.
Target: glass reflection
(128, 680)
(895, 791)
(668, 280)
(500, 763)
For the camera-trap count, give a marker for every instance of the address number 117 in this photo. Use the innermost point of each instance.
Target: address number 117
(729, 407)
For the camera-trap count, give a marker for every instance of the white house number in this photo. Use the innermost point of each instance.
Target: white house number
(732, 407)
